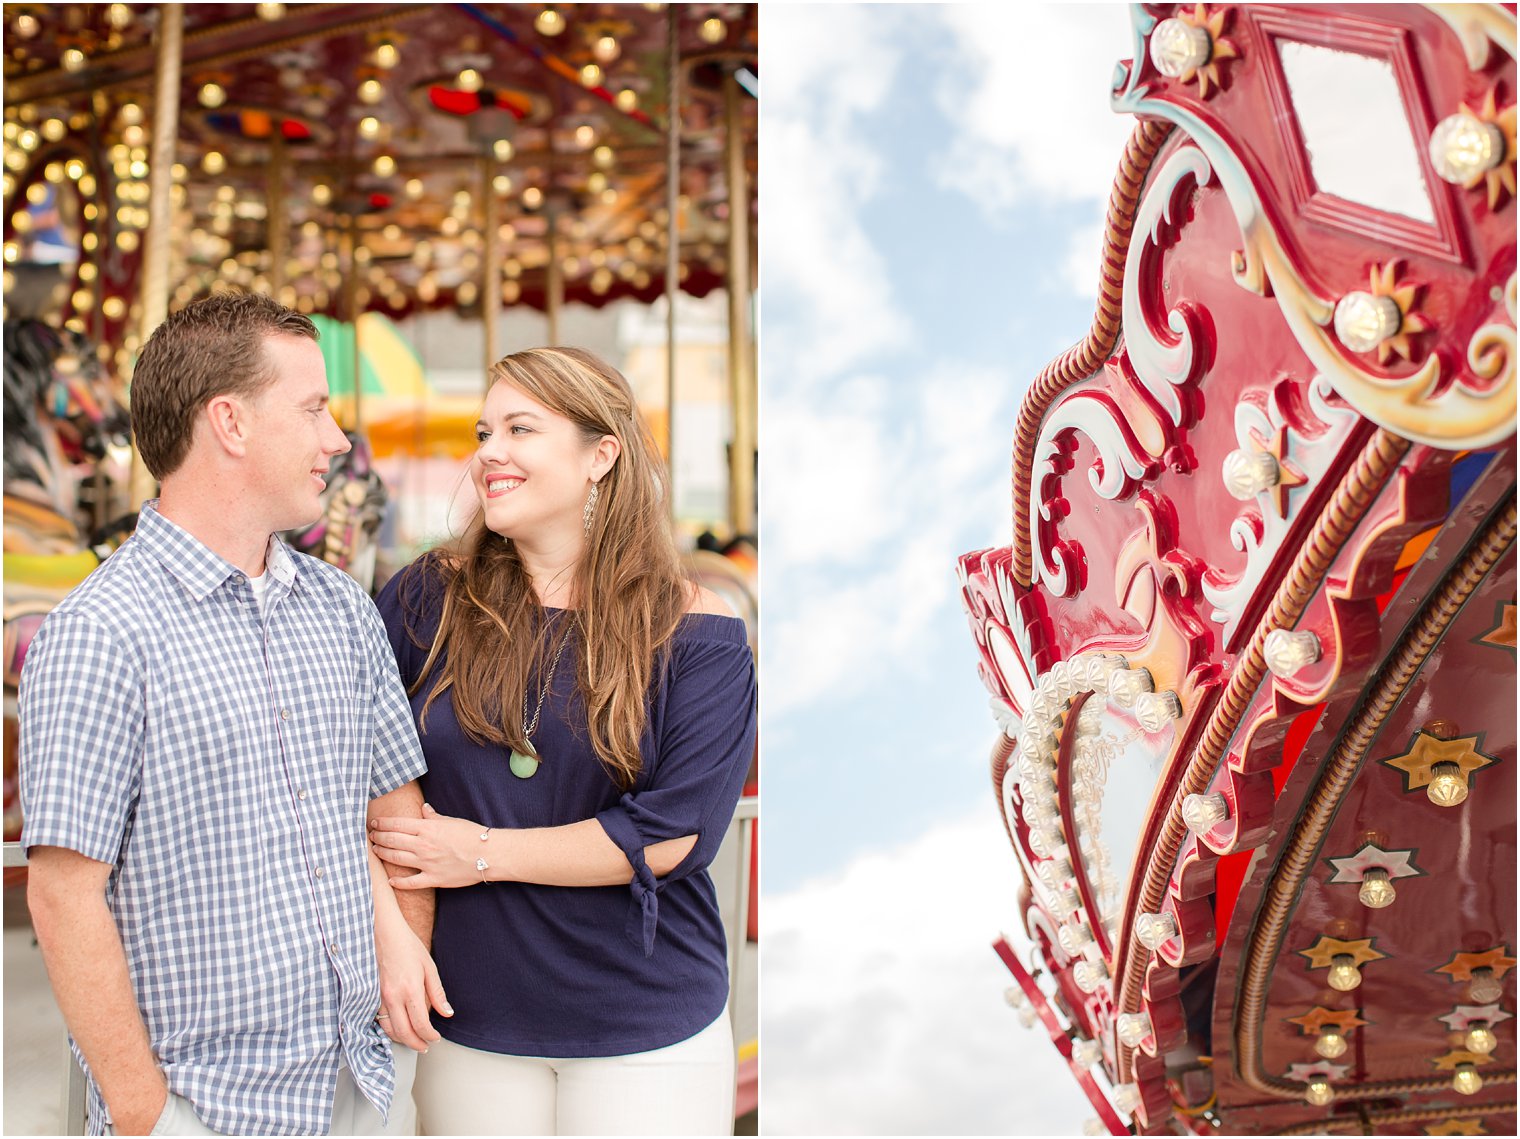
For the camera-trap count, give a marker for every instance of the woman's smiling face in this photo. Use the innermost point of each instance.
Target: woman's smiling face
(533, 468)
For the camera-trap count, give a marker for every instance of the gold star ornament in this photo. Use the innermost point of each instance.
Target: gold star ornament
(1426, 749)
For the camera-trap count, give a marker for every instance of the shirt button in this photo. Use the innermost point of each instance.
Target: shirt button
(239, 579)
(301, 794)
(333, 949)
(321, 872)
(284, 713)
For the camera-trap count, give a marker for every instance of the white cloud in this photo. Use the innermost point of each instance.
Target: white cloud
(1016, 62)
(882, 1007)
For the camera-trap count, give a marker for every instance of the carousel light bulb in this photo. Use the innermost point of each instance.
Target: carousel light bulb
(469, 80)
(36, 194)
(1155, 710)
(1154, 930)
(1376, 890)
(606, 49)
(321, 194)
(269, 11)
(591, 75)
(1044, 841)
(1484, 988)
(713, 30)
(213, 162)
(1287, 652)
(1054, 874)
(1466, 1080)
(1447, 786)
(54, 129)
(1330, 1042)
(1074, 939)
(371, 92)
(119, 16)
(1344, 973)
(1028, 1015)
(503, 150)
(1132, 1027)
(626, 100)
(27, 139)
(414, 188)
(1481, 1038)
(549, 22)
(1090, 976)
(26, 26)
(1087, 1053)
(73, 59)
(1363, 321)
(1126, 685)
(1319, 1092)
(1092, 1125)
(211, 95)
(385, 165)
(1090, 720)
(1015, 996)
(1463, 148)
(1202, 813)
(369, 127)
(1127, 1098)
(1177, 47)
(502, 184)
(387, 55)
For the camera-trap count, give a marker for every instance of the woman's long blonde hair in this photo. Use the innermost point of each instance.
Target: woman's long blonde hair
(629, 589)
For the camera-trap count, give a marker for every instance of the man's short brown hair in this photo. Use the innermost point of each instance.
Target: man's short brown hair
(209, 348)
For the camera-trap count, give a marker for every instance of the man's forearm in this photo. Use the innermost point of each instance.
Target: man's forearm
(417, 906)
(87, 967)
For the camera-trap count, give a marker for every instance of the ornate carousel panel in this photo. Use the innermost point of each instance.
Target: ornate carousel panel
(1251, 648)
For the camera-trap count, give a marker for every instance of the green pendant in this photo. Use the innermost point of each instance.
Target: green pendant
(523, 764)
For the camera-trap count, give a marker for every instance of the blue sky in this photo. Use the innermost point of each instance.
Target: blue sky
(929, 241)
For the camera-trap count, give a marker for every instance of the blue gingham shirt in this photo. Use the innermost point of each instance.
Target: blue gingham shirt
(221, 762)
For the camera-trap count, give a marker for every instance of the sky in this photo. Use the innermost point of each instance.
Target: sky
(929, 241)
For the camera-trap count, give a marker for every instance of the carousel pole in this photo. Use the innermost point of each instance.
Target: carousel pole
(155, 273)
(351, 307)
(490, 288)
(741, 453)
(672, 238)
(278, 225)
(555, 285)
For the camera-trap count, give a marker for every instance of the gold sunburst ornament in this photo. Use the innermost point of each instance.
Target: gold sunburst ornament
(1382, 319)
(1191, 46)
(1476, 147)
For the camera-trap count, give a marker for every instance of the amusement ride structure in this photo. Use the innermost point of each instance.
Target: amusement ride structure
(1251, 648)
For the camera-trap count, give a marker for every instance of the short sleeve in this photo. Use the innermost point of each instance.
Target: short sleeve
(706, 744)
(82, 714)
(397, 757)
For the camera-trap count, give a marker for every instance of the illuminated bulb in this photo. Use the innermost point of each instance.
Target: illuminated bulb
(213, 162)
(1090, 976)
(713, 30)
(1127, 1098)
(1092, 1125)
(385, 166)
(503, 150)
(369, 127)
(1044, 842)
(1087, 1053)
(549, 22)
(1377, 891)
(114, 308)
(606, 49)
(1154, 930)
(1363, 321)
(1054, 874)
(591, 75)
(1247, 473)
(1074, 939)
(626, 100)
(1467, 1081)
(1481, 1038)
(1126, 685)
(211, 95)
(119, 16)
(370, 92)
(414, 188)
(73, 60)
(1177, 47)
(1288, 652)
(1038, 744)
(1484, 988)
(501, 184)
(26, 26)
(1014, 995)
(469, 80)
(1090, 719)
(27, 139)
(1155, 710)
(1028, 1015)
(1319, 1092)
(269, 11)
(1463, 147)
(1330, 1042)
(321, 193)
(1344, 974)
(36, 193)
(54, 129)
(1202, 813)
(1447, 787)
(1132, 1028)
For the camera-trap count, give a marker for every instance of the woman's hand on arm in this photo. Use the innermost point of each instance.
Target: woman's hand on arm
(444, 851)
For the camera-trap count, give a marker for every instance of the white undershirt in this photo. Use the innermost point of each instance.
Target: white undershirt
(260, 590)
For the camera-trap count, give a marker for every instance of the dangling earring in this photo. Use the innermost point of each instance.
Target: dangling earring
(596, 490)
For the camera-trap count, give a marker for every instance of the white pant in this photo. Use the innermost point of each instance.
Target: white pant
(352, 1113)
(684, 1089)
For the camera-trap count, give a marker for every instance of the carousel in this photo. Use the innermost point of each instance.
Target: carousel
(372, 166)
(1251, 648)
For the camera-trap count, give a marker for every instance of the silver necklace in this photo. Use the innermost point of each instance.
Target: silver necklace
(525, 764)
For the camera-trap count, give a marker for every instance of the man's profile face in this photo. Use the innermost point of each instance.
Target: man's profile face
(293, 435)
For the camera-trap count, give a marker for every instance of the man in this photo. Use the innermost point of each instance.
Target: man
(202, 723)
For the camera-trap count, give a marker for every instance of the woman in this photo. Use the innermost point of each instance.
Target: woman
(588, 719)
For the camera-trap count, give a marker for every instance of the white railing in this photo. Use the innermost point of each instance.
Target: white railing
(742, 830)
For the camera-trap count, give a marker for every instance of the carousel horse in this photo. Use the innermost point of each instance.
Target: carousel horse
(353, 509)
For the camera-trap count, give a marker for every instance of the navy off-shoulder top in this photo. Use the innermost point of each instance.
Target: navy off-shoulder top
(592, 970)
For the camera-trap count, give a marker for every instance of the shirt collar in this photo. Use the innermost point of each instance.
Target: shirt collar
(195, 566)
